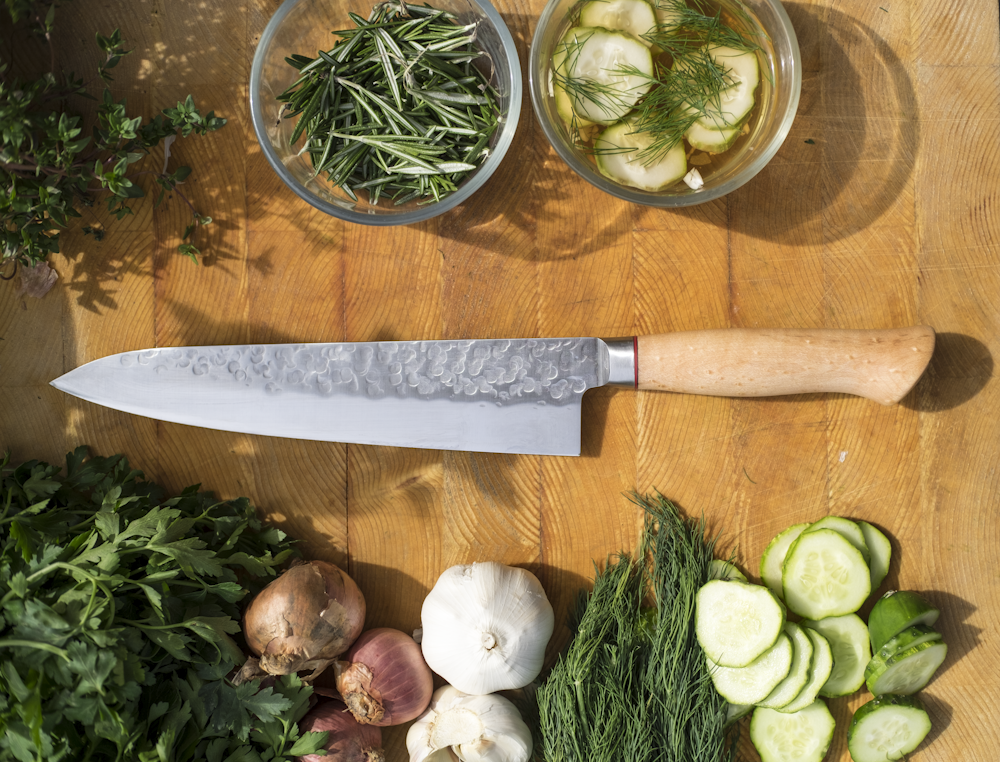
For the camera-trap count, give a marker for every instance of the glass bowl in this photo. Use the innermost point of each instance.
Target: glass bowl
(777, 100)
(304, 27)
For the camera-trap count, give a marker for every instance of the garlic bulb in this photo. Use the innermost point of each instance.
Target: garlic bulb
(485, 627)
(471, 728)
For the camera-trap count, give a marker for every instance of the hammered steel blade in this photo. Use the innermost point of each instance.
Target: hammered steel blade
(501, 395)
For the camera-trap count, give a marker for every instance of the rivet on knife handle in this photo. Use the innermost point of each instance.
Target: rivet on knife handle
(881, 365)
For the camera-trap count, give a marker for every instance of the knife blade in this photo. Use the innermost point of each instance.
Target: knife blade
(485, 395)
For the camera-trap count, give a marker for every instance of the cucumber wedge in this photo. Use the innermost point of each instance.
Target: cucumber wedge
(604, 73)
(906, 671)
(881, 552)
(894, 612)
(908, 638)
(720, 569)
(634, 17)
(848, 638)
(850, 530)
(752, 683)
(735, 622)
(819, 672)
(802, 736)
(774, 557)
(824, 575)
(798, 673)
(887, 728)
(623, 155)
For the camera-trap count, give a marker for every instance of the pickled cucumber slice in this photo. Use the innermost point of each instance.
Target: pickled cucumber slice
(604, 73)
(824, 575)
(564, 105)
(848, 638)
(634, 17)
(906, 671)
(887, 728)
(896, 611)
(623, 155)
(711, 141)
(735, 622)
(754, 682)
(802, 736)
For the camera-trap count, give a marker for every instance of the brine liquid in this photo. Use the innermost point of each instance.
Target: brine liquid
(712, 164)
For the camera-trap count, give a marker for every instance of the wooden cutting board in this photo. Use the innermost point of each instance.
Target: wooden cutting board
(882, 209)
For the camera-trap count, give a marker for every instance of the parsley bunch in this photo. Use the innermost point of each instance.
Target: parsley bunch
(50, 166)
(119, 621)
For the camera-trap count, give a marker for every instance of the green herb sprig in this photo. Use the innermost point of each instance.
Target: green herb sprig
(119, 621)
(50, 169)
(633, 683)
(398, 107)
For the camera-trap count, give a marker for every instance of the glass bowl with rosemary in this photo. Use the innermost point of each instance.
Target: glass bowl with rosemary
(666, 103)
(385, 113)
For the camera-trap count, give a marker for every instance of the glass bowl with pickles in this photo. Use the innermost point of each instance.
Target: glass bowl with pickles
(666, 103)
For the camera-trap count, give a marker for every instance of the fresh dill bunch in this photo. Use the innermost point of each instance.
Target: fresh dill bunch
(633, 683)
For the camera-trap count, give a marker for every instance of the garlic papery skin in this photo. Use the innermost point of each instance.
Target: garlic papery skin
(472, 728)
(485, 627)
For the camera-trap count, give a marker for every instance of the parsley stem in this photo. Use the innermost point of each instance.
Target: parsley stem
(35, 644)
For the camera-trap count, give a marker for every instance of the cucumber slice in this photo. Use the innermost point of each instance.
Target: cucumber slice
(908, 638)
(735, 712)
(720, 569)
(819, 672)
(824, 575)
(735, 622)
(887, 728)
(621, 155)
(906, 671)
(798, 674)
(711, 141)
(742, 75)
(848, 638)
(634, 17)
(670, 14)
(850, 530)
(605, 73)
(894, 612)
(564, 104)
(753, 683)
(802, 736)
(774, 557)
(881, 552)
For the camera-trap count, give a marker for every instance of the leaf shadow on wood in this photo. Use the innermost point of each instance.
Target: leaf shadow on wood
(959, 369)
(820, 170)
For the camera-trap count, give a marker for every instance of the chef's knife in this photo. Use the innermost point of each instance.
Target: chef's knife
(485, 395)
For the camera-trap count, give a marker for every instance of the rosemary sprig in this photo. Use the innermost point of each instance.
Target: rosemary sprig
(397, 107)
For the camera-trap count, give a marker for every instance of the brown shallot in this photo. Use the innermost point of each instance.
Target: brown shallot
(304, 619)
(348, 741)
(384, 679)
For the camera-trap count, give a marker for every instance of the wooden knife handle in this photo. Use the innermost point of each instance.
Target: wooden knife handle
(882, 365)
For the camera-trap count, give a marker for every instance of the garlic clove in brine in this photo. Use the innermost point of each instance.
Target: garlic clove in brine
(485, 627)
(469, 728)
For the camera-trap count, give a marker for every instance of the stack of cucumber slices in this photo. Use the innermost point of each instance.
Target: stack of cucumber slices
(760, 661)
(614, 84)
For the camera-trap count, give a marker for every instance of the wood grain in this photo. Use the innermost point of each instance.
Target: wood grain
(881, 210)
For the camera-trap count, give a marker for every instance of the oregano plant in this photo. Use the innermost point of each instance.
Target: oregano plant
(50, 168)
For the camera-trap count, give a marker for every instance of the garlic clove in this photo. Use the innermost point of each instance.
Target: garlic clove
(473, 728)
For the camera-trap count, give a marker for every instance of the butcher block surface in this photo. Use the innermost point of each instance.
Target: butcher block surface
(881, 210)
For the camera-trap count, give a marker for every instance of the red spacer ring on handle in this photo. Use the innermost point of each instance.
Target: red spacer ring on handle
(635, 359)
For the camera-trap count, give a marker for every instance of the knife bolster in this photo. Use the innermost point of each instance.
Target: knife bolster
(619, 363)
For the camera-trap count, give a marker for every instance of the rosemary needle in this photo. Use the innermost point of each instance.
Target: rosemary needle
(397, 107)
